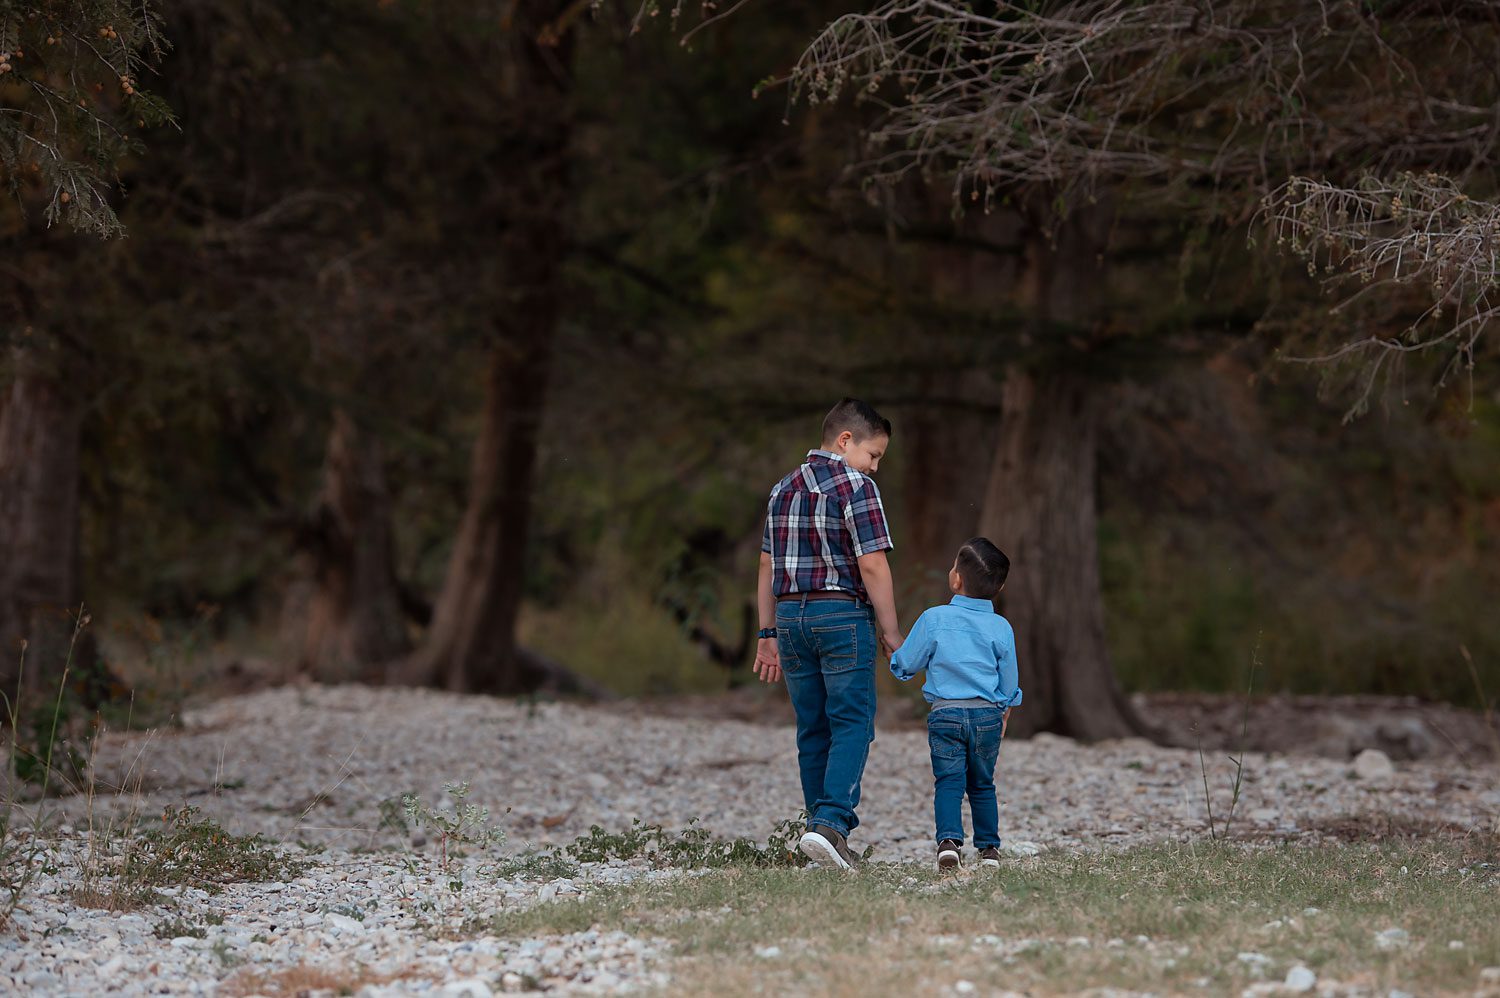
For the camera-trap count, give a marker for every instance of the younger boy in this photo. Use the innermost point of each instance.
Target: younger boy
(824, 587)
(969, 652)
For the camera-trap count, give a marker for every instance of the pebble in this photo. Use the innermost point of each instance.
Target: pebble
(1373, 764)
(1253, 959)
(568, 767)
(769, 952)
(1391, 939)
(1490, 975)
(1300, 978)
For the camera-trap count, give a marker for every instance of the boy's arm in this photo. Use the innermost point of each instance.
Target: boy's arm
(1005, 662)
(875, 570)
(767, 654)
(864, 517)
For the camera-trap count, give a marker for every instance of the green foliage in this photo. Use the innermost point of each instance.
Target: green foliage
(177, 927)
(692, 848)
(537, 865)
(1367, 570)
(22, 860)
(71, 103)
(462, 825)
(192, 851)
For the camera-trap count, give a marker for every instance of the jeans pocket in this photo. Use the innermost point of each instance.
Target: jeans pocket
(837, 646)
(946, 740)
(786, 646)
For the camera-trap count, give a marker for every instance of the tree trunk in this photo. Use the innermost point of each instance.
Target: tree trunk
(1041, 506)
(1041, 509)
(354, 618)
(942, 484)
(471, 643)
(39, 554)
(523, 208)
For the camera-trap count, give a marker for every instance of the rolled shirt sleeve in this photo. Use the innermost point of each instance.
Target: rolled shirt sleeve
(915, 653)
(1010, 671)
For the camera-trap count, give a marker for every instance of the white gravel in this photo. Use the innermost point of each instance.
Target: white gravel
(313, 764)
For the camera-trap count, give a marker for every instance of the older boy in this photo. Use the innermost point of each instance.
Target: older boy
(969, 654)
(824, 587)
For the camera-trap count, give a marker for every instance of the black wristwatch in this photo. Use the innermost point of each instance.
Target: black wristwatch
(766, 632)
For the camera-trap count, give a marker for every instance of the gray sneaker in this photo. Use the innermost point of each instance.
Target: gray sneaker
(826, 847)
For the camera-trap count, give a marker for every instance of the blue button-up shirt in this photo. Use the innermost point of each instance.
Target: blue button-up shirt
(968, 651)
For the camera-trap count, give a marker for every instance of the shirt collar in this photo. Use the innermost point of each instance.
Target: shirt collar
(973, 603)
(828, 454)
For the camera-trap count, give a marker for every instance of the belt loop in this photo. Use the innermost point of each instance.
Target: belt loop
(804, 600)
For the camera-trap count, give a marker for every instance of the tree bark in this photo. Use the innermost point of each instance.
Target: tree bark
(943, 485)
(354, 619)
(524, 207)
(39, 542)
(1041, 506)
(471, 642)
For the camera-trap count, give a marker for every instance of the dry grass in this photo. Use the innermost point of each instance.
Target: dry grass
(308, 979)
(1167, 919)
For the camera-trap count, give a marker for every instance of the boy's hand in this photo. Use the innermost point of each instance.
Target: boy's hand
(1004, 722)
(768, 660)
(891, 641)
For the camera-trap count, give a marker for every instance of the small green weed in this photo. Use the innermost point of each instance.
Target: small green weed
(177, 928)
(465, 825)
(537, 865)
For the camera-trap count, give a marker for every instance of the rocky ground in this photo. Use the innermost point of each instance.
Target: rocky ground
(321, 767)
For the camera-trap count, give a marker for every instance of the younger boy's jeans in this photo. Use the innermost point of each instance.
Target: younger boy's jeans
(965, 741)
(828, 658)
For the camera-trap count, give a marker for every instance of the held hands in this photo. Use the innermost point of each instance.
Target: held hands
(767, 660)
(891, 641)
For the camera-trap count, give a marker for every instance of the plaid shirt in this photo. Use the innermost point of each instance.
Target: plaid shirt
(820, 520)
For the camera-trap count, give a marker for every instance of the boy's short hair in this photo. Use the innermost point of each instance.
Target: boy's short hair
(859, 418)
(982, 567)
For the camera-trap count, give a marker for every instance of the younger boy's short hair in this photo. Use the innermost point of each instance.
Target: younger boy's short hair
(859, 418)
(982, 567)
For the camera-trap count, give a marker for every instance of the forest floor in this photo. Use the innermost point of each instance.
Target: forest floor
(261, 846)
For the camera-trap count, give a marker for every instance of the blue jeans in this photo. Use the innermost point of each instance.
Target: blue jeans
(965, 741)
(828, 658)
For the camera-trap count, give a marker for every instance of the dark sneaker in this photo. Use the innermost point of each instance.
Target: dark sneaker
(826, 847)
(948, 854)
(989, 856)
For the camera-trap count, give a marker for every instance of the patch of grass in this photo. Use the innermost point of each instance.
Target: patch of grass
(127, 871)
(537, 865)
(174, 928)
(1167, 918)
(691, 848)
